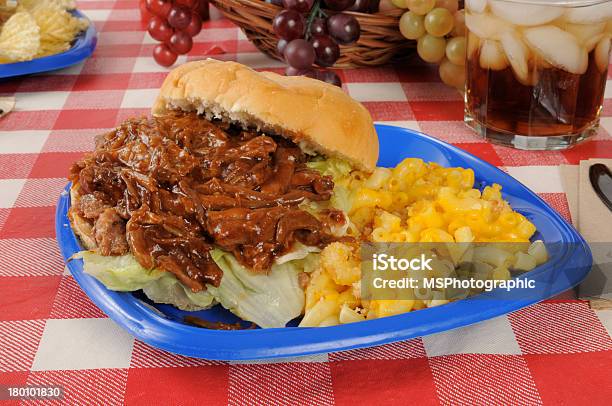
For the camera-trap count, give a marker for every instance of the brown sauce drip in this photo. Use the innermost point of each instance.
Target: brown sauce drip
(216, 325)
(168, 188)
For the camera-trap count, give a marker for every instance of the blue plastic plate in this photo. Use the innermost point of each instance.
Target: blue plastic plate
(569, 264)
(83, 46)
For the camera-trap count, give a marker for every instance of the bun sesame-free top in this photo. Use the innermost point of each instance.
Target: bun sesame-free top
(317, 116)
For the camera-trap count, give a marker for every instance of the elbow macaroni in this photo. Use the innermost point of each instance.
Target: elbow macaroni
(418, 202)
(424, 202)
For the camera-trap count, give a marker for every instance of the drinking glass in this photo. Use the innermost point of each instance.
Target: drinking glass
(536, 70)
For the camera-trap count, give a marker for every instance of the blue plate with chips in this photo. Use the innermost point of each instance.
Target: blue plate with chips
(82, 47)
(162, 326)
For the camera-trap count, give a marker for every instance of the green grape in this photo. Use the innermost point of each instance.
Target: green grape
(400, 3)
(450, 5)
(411, 25)
(439, 22)
(459, 29)
(451, 74)
(420, 7)
(455, 50)
(431, 49)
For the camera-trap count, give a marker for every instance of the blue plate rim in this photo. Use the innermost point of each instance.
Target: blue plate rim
(148, 326)
(82, 49)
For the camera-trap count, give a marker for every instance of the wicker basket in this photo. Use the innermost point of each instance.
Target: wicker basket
(380, 41)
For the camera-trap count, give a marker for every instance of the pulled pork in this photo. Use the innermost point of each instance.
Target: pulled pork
(168, 188)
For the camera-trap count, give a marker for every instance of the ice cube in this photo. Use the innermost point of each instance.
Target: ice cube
(525, 14)
(534, 66)
(517, 53)
(591, 14)
(473, 44)
(540, 62)
(558, 47)
(590, 44)
(602, 53)
(584, 33)
(486, 26)
(492, 55)
(477, 6)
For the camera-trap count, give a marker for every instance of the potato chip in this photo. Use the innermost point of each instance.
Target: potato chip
(52, 48)
(6, 11)
(83, 24)
(19, 38)
(57, 27)
(63, 4)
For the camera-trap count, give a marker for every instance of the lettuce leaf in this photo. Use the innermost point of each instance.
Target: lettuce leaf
(125, 274)
(334, 167)
(268, 300)
(339, 170)
(169, 290)
(341, 199)
(299, 251)
(122, 273)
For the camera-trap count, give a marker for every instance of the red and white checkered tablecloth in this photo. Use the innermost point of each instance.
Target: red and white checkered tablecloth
(557, 352)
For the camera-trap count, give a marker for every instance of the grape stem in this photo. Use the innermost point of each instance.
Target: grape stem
(315, 12)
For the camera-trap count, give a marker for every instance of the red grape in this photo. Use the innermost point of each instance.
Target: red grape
(326, 50)
(288, 24)
(329, 77)
(179, 17)
(362, 6)
(291, 71)
(187, 3)
(163, 55)
(301, 6)
(280, 46)
(180, 42)
(300, 54)
(343, 28)
(339, 5)
(318, 26)
(145, 13)
(374, 6)
(275, 2)
(195, 26)
(202, 9)
(160, 8)
(159, 29)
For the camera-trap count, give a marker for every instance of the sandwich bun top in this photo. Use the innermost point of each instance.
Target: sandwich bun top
(317, 116)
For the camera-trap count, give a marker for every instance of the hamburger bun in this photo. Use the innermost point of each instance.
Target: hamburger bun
(317, 116)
